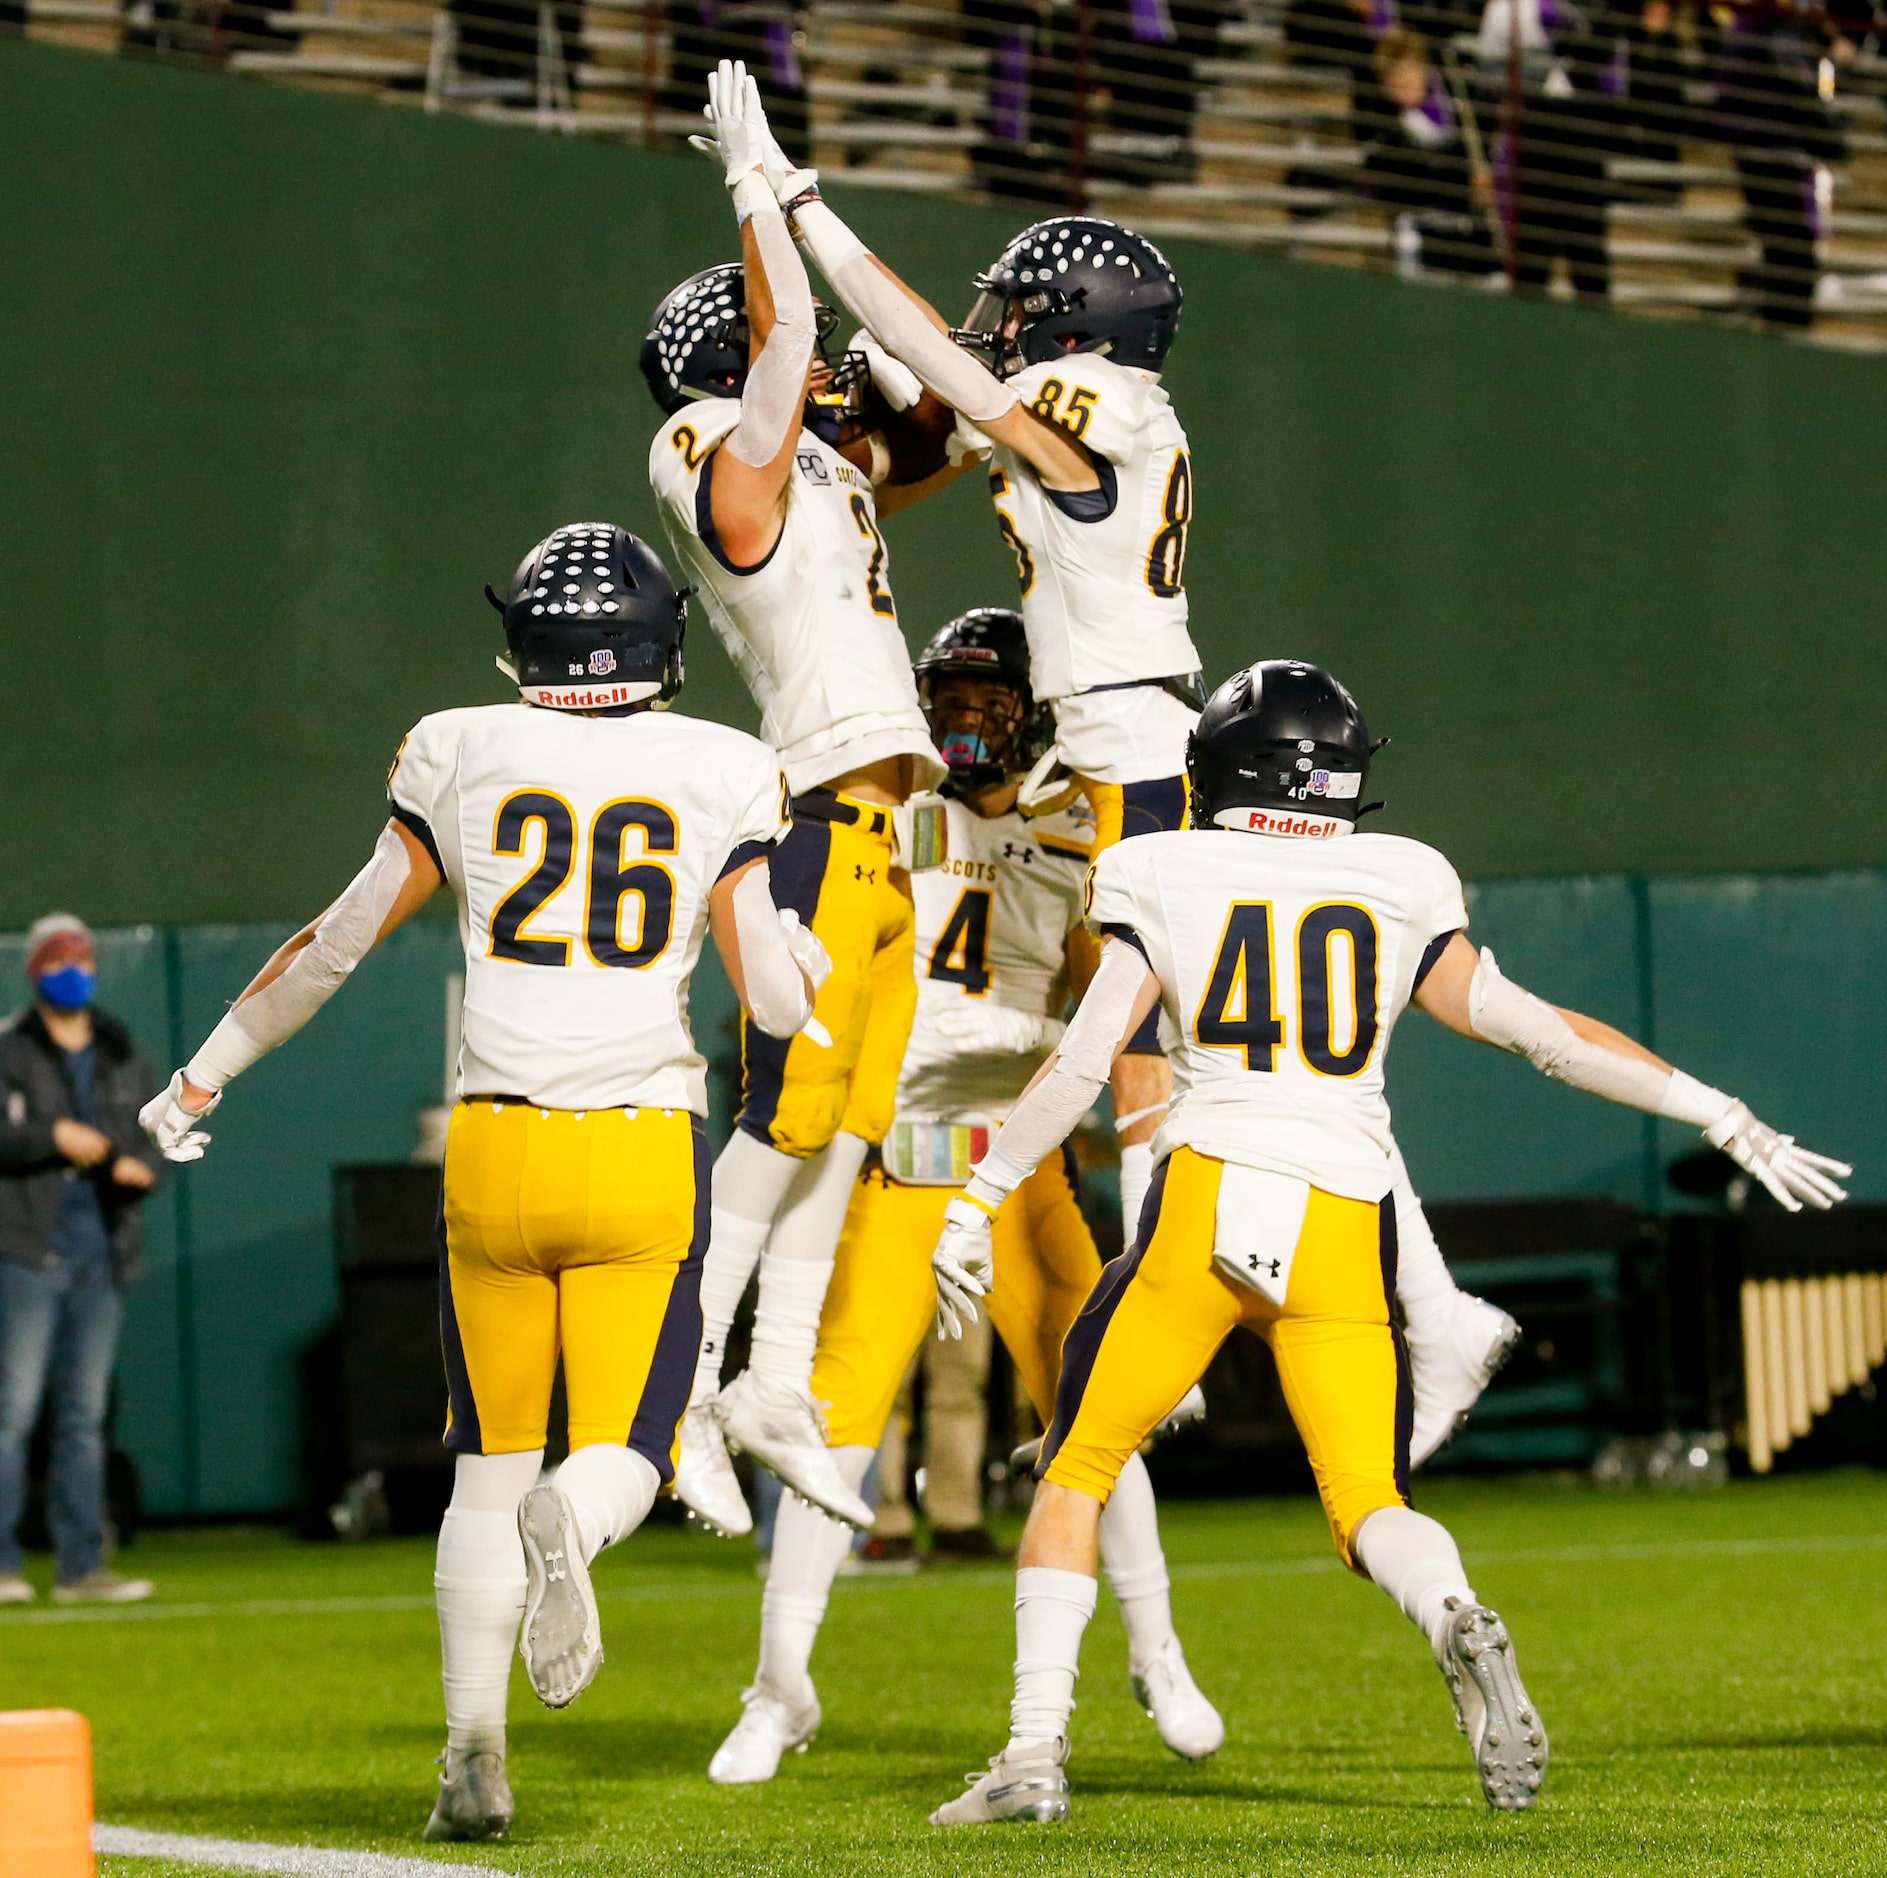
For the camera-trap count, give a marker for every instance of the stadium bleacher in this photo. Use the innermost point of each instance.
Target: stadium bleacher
(1251, 123)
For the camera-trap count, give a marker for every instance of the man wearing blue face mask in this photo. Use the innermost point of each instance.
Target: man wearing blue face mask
(74, 1165)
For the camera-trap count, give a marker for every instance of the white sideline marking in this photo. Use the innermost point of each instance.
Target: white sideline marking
(283, 1861)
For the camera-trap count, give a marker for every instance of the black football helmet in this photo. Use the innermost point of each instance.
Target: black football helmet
(1280, 735)
(593, 622)
(697, 342)
(986, 642)
(1078, 283)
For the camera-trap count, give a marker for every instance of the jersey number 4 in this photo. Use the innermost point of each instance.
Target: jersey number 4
(1239, 1011)
(646, 884)
(961, 954)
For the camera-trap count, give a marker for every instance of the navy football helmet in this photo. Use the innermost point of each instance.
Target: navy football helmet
(978, 747)
(1077, 283)
(697, 342)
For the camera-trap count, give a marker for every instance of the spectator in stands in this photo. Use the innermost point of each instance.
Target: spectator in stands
(1146, 55)
(1646, 80)
(1416, 161)
(765, 33)
(1557, 129)
(1011, 159)
(1775, 90)
(504, 56)
(74, 1165)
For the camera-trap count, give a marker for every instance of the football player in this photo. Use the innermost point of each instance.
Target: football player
(590, 841)
(1093, 484)
(995, 926)
(1281, 957)
(774, 513)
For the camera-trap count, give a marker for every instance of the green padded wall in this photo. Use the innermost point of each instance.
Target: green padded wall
(284, 378)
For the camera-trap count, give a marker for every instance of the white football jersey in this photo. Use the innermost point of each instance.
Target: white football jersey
(582, 851)
(992, 935)
(813, 629)
(1104, 601)
(1284, 963)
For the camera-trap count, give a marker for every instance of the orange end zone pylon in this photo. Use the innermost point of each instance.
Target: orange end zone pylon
(45, 1794)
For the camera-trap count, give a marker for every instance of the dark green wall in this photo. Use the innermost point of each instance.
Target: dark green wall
(285, 378)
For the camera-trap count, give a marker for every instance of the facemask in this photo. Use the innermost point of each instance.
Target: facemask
(70, 988)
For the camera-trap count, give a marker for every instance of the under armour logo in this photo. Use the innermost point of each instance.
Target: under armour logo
(867, 874)
(1276, 1265)
(1010, 852)
(554, 1567)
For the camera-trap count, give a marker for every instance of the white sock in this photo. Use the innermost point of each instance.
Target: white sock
(610, 1490)
(1424, 1285)
(1415, 1560)
(797, 1266)
(1135, 1565)
(1052, 1611)
(1136, 1176)
(478, 1585)
(734, 1246)
(808, 1548)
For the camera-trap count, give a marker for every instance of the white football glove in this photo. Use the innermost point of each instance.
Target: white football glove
(815, 961)
(173, 1127)
(1792, 1174)
(785, 178)
(966, 444)
(897, 384)
(964, 1264)
(737, 125)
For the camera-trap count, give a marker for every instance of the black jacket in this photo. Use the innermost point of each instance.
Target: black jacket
(35, 1092)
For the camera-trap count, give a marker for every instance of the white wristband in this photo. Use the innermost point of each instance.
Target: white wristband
(1688, 1100)
(750, 193)
(225, 1053)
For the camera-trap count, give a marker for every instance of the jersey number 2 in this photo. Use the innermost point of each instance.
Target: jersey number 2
(961, 954)
(1238, 1010)
(881, 600)
(611, 881)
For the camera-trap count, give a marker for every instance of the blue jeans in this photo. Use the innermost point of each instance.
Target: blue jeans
(58, 1338)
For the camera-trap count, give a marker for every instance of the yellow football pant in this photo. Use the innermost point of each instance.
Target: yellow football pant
(1123, 810)
(575, 1232)
(1157, 1318)
(882, 1301)
(837, 874)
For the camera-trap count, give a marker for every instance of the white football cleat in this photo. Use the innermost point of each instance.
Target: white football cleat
(1450, 1363)
(704, 1475)
(474, 1798)
(1492, 1708)
(562, 1637)
(781, 1428)
(1030, 1784)
(1187, 1722)
(768, 1729)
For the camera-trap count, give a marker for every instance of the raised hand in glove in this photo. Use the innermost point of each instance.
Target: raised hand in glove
(896, 383)
(173, 1127)
(964, 1263)
(1794, 1175)
(737, 126)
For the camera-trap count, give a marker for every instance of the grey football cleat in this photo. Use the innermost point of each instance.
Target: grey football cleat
(562, 1638)
(1187, 1722)
(769, 1728)
(1492, 1708)
(704, 1475)
(782, 1429)
(1031, 1784)
(474, 1798)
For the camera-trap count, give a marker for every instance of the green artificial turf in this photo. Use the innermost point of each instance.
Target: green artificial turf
(1712, 1668)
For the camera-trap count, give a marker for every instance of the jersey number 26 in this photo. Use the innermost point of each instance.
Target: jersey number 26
(648, 885)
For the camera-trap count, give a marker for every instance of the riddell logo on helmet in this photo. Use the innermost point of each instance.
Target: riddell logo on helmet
(1281, 822)
(571, 697)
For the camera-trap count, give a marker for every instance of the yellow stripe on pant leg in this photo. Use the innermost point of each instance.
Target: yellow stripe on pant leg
(503, 1301)
(1046, 1267)
(1336, 1358)
(879, 1306)
(634, 1173)
(1145, 1336)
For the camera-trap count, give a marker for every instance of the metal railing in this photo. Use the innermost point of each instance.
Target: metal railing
(1661, 156)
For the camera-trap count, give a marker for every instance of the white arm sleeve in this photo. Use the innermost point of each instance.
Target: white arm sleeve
(776, 987)
(774, 396)
(1503, 1014)
(343, 936)
(1046, 1114)
(899, 325)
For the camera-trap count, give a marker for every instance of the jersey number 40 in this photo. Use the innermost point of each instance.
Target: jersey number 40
(1239, 1009)
(647, 885)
